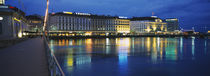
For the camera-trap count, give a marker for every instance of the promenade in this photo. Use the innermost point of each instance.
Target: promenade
(27, 58)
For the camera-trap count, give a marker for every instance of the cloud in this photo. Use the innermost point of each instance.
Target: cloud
(190, 12)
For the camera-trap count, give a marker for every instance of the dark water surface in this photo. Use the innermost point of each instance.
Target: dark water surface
(137, 56)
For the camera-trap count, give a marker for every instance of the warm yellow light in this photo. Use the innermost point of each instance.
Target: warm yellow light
(148, 43)
(17, 19)
(24, 34)
(123, 42)
(36, 22)
(154, 28)
(123, 28)
(166, 29)
(148, 29)
(88, 33)
(158, 20)
(68, 12)
(123, 31)
(70, 61)
(20, 35)
(162, 27)
(171, 19)
(67, 34)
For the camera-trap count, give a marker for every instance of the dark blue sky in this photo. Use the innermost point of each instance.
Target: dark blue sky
(190, 12)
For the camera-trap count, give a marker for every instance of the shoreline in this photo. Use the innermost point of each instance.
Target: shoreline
(122, 36)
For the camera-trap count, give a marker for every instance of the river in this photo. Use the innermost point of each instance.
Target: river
(133, 56)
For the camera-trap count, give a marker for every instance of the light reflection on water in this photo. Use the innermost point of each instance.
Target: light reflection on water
(86, 56)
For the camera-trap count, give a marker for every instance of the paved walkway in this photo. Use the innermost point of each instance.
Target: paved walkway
(24, 59)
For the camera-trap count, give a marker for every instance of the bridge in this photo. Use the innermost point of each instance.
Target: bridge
(29, 58)
(32, 57)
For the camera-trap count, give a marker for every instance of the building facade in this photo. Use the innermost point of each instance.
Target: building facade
(122, 26)
(2, 2)
(12, 22)
(35, 23)
(172, 24)
(102, 25)
(147, 25)
(69, 23)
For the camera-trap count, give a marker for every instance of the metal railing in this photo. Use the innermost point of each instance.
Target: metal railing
(54, 66)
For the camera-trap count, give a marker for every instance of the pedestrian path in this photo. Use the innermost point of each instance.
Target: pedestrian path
(27, 58)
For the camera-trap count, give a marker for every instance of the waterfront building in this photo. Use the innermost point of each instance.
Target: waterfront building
(2, 2)
(122, 26)
(147, 25)
(201, 28)
(35, 23)
(172, 24)
(69, 23)
(12, 22)
(102, 25)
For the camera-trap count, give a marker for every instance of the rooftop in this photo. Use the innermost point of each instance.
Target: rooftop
(143, 18)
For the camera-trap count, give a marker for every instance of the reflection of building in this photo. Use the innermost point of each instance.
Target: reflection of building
(171, 49)
(69, 23)
(172, 24)
(12, 22)
(35, 22)
(80, 60)
(147, 25)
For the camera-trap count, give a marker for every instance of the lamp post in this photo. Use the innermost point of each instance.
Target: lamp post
(45, 18)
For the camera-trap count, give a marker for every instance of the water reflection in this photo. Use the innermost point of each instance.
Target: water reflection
(123, 49)
(193, 47)
(205, 49)
(77, 54)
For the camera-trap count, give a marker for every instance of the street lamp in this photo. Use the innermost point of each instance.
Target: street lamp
(46, 16)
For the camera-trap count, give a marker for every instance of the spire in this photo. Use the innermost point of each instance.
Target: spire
(153, 13)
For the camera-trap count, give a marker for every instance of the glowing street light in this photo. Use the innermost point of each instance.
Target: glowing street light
(44, 30)
(46, 16)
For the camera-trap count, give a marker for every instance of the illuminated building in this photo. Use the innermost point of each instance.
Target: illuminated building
(35, 23)
(147, 25)
(71, 23)
(122, 26)
(2, 2)
(68, 23)
(172, 24)
(12, 22)
(201, 28)
(102, 25)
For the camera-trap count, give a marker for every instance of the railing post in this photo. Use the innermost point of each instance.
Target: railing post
(54, 66)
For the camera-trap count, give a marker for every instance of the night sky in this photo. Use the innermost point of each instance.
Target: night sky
(191, 13)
